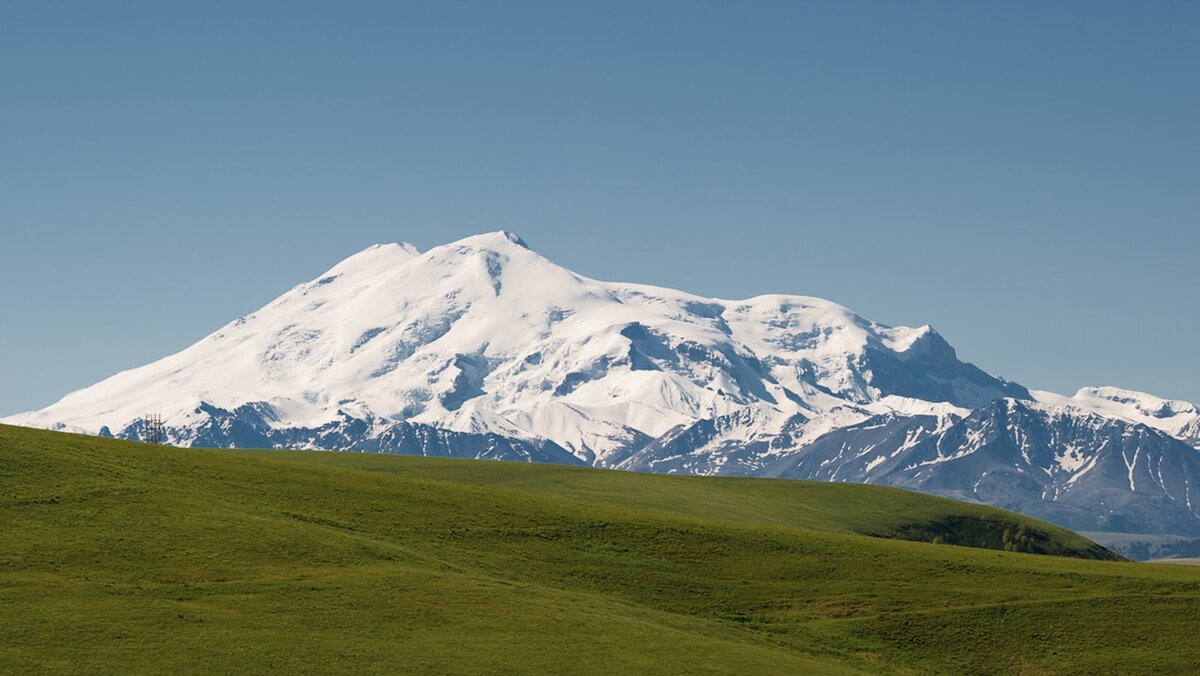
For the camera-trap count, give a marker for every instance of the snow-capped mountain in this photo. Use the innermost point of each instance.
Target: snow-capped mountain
(1179, 419)
(485, 336)
(1073, 467)
(483, 348)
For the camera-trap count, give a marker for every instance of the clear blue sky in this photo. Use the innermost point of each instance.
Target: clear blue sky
(1024, 176)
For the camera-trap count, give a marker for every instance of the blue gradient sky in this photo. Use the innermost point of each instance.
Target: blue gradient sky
(1024, 176)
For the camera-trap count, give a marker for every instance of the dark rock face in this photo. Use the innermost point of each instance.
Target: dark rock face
(1073, 468)
(701, 448)
(930, 370)
(862, 453)
(248, 427)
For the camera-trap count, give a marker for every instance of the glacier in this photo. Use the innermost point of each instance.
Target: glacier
(483, 348)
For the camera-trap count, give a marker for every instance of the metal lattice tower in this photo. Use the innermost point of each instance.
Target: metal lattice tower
(152, 429)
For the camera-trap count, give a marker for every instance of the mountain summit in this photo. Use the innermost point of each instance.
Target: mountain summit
(484, 348)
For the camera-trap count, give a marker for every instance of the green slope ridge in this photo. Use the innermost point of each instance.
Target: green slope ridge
(125, 557)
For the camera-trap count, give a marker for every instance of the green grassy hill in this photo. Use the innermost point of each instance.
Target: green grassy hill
(118, 557)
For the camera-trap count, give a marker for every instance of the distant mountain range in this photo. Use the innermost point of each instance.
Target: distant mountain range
(483, 348)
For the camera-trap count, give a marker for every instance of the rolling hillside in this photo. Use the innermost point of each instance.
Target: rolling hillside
(120, 556)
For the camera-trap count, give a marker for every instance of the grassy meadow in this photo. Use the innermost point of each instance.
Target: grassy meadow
(121, 557)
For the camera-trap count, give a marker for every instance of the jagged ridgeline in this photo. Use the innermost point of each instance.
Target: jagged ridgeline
(483, 348)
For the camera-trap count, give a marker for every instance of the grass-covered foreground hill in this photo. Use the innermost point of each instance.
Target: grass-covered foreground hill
(119, 557)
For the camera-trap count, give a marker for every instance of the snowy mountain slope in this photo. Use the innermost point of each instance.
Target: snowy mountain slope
(1179, 419)
(735, 443)
(1064, 464)
(866, 452)
(485, 336)
(483, 348)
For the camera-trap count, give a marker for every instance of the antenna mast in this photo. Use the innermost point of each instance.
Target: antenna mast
(152, 429)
